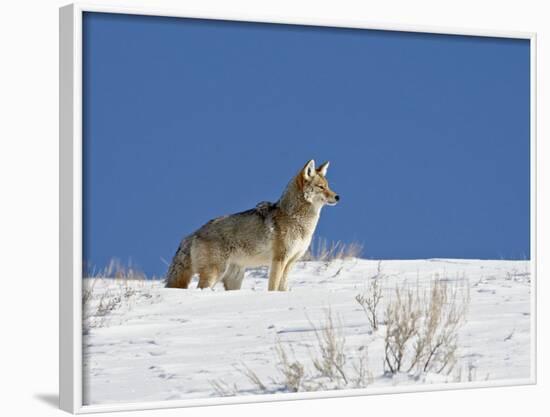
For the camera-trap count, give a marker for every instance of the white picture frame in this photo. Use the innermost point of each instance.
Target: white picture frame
(70, 355)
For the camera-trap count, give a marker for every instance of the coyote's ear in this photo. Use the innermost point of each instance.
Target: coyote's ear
(323, 168)
(309, 170)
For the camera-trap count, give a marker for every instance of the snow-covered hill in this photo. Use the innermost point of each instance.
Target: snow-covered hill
(143, 342)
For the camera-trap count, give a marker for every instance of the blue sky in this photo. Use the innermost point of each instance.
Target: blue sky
(186, 120)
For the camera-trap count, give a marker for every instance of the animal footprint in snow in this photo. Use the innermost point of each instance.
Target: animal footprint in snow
(161, 373)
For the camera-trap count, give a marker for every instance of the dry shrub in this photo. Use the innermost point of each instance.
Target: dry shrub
(107, 303)
(443, 316)
(321, 249)
(402, 324)
(223, 389)
(292, 371)
(88, 290)
(328, 368)
(98, 303)
(253, 377)
(422, 329)
(370, 300)
(467, 373)
(331, 358)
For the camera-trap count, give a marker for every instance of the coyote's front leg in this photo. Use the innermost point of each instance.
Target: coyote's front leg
(283, 283)
(275, 274)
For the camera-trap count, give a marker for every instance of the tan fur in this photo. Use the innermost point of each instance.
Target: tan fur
(271, 234)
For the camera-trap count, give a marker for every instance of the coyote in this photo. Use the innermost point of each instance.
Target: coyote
(271, 234)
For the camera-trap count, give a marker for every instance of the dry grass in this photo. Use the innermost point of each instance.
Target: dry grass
(321, 249)
(117, 270)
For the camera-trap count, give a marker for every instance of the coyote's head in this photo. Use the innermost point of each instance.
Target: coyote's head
(314, 185)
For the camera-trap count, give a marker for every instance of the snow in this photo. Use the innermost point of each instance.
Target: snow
(143, 342)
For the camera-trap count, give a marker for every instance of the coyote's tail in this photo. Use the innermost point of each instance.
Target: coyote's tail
(180, 271)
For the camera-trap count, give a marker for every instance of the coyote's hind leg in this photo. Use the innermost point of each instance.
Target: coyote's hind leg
(233, 277)
(179, 276)
(209, 276)
(181, 280)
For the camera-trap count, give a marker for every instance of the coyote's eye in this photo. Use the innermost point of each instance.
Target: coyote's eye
(320, 187)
